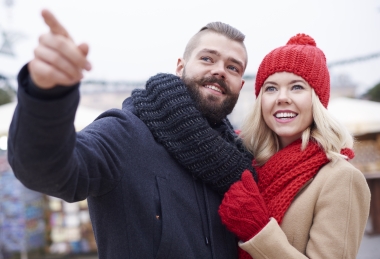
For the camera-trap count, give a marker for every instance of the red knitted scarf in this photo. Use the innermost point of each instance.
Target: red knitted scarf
(284, 174)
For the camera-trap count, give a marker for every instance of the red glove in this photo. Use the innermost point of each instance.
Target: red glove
(243, 209)
(243, 254)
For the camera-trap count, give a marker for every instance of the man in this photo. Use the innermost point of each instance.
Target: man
(146, 199)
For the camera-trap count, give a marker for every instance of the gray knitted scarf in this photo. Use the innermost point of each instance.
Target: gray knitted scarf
(214, 155)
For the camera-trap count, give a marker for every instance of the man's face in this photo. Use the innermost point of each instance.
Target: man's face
(213, 74)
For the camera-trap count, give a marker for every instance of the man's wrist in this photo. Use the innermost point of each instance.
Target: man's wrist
(25, 81)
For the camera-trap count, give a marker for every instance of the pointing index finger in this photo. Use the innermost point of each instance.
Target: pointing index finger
(54, 25)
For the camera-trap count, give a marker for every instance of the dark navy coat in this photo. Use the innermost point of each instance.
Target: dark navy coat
(142, 203)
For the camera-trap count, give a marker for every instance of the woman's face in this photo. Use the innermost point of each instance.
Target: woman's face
(286, 106)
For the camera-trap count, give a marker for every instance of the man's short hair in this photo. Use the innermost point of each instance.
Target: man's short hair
(216, 27)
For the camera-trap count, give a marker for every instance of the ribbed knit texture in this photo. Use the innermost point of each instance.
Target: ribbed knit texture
(243, 209)
(243, 254)
(213, 155)
(283, 175)
(302, 57)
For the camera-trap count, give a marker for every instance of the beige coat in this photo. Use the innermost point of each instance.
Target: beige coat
(326, 219)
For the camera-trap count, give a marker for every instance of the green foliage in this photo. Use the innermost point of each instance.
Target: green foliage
(6, 96)
(374, 93)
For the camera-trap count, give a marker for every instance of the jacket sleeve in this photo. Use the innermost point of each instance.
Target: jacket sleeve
(47, 155)
(271, 243)
(340, 216)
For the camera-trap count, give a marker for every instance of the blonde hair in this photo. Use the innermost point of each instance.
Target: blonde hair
(325, 130)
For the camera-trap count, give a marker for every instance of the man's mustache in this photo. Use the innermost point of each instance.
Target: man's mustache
(211, 80)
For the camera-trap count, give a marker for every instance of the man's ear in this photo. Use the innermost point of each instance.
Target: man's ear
(180, 67)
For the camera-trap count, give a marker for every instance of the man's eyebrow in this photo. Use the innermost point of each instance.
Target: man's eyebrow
(238, 62)
(212, 51)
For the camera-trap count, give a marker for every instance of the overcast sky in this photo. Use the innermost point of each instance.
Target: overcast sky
(133, 40)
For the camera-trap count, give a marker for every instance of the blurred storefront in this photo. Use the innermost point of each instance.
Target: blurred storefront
(362, 118)
(33, 225)
(37, 226)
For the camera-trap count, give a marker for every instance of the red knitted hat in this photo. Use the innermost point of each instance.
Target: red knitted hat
(302, 57)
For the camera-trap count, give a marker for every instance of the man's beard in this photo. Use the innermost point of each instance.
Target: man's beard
(207, 105)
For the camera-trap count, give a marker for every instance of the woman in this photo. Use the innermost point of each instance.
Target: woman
(309, 201)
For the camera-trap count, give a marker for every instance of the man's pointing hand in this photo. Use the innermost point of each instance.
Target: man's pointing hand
(57, 59)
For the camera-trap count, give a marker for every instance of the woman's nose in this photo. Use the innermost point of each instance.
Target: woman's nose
(283, 97)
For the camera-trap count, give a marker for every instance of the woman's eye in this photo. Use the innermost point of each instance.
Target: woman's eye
(297, 87)
(270, 89)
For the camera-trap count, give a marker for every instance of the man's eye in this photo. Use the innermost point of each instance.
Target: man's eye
(233, 68)
(206, 58)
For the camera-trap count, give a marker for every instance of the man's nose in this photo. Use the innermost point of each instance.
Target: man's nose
(219, 70)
